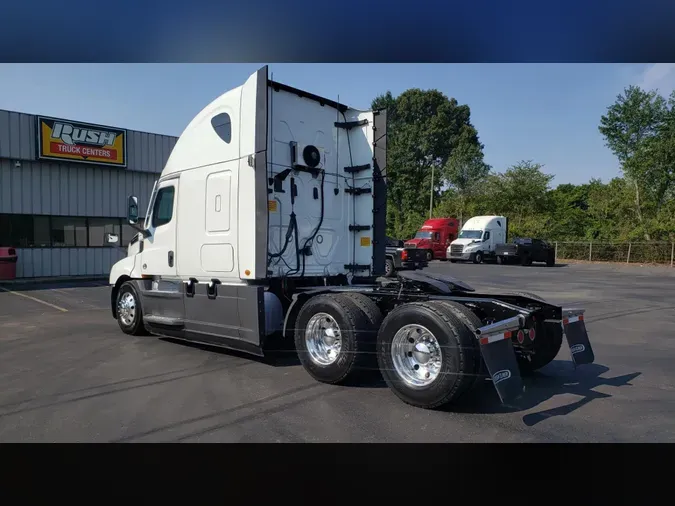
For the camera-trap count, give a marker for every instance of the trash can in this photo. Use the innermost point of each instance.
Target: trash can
(8, 259)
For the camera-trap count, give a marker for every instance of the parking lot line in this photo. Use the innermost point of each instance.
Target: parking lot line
(34, 299)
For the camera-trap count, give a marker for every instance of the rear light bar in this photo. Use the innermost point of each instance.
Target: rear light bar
(500, 330)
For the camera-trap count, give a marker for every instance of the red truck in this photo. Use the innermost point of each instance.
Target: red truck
(435, 236)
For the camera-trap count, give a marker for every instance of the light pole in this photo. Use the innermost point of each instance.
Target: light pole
(431, 193)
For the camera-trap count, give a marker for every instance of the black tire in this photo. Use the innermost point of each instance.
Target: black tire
(356, 336)
(458, 359)
(453, 261)
(368, 306)
(478, 257)
(389, 269)
(374, 315)
(430, 255)
(135, 327)
(472, 321)
(546, 346)
(550, 261)
(500, 260)
(526, 260)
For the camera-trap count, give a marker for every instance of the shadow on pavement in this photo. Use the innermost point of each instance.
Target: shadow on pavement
(283, 354)
(276, 357)
(557, 378)
(437, 263)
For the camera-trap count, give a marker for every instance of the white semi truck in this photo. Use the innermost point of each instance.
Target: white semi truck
(268, 222)
(478, 238)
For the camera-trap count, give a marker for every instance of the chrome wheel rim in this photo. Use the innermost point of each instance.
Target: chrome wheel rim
(126, 308)
(416, 355)
(323, 339)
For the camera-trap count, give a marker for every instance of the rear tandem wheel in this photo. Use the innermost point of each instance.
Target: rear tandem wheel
(547, 343)
(428, 355)
(332, 337)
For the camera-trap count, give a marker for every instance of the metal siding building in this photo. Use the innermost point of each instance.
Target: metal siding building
(67, 204)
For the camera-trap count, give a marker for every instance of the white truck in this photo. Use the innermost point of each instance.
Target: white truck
(478, 238)
(268, 222)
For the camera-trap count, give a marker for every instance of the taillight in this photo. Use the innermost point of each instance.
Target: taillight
(404, 255)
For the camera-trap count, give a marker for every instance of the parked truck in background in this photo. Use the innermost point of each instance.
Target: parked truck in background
(478, 238)
(434, 236)
(268, 222)
(400, 258)
(524, 251)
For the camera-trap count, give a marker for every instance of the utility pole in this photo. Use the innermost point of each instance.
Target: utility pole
(431, 193)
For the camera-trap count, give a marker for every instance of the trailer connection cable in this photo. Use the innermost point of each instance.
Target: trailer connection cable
(310, 241)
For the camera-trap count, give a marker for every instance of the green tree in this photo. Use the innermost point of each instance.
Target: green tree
(424, 128)
(610, 214)
(633, 128)
(568, 212)
(521, 194)
(465, 170)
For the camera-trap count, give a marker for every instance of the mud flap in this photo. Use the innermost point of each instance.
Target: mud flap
(501, 363)
(577, 338)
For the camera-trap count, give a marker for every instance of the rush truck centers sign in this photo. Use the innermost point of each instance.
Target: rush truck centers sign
(60, 139)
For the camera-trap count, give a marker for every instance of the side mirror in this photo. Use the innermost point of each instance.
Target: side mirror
(132, 210)
(111, 239)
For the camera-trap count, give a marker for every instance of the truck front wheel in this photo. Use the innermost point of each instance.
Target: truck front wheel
(129, 311)
(478, 257)
(426, 354)
(332, 337)
(389, 268)
(430, 255)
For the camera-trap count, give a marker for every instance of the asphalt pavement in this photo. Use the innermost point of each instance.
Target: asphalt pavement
(69, 374)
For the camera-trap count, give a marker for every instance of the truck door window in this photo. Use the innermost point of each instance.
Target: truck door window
(437, 236)
(162, 210)
(486, 235)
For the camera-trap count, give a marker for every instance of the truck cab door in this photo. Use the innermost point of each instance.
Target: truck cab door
(488, 245)
(437, 245)
(538, 251)
(158, 257)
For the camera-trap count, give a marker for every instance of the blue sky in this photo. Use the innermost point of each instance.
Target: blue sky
(548, 113)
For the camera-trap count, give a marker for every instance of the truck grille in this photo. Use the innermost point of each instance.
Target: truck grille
(456, 249)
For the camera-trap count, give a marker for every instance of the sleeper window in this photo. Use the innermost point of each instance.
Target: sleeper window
(223, 126)
(162, 210)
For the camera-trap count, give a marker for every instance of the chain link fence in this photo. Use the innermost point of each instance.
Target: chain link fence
(626, 252)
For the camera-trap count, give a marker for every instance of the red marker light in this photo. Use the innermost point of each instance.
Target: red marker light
(521, 336)
(532, 334)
